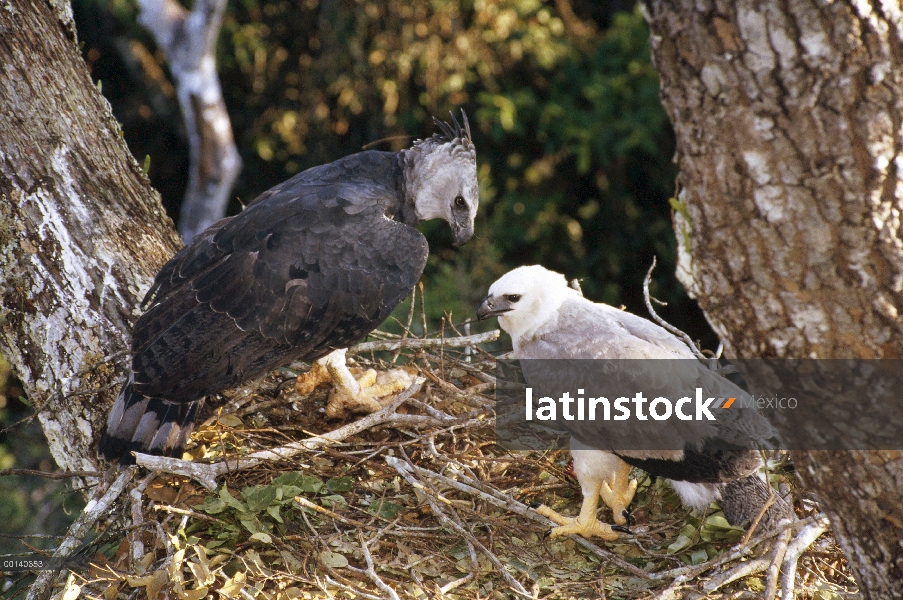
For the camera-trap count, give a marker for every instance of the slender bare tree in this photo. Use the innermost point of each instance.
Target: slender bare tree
(189, 40)
(789, 123)
(82, 233)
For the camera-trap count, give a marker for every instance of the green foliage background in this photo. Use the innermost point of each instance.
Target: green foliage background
(574, 148)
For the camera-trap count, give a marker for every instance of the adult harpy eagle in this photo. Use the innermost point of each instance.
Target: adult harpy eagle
(548, 320)
(309, 267)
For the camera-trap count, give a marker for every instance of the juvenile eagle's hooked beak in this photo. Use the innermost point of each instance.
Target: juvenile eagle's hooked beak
(493, 307)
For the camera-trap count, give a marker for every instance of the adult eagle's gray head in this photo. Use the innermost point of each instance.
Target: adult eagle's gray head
(441, 178)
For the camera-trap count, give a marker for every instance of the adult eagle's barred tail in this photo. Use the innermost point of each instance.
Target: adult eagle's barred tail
(148, 425)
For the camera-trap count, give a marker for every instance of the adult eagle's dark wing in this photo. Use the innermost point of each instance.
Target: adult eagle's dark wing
(312, 265)
(311, 269)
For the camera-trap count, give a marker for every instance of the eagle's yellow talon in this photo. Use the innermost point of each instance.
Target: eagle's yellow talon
(619, 494)
(594, 528)
(308, 382)
(367, 379)
(368, 393)
(588, 528)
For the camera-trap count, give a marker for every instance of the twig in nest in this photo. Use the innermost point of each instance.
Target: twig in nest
(206, 474)
(48, 475)
(186, 512)
(469, 368)
(96, 508)
(474, 567)
(711, 363)
(422, 343)
(354, 591)
(405, 469)
(682, 575)
(370, 571)
(768, 502)
(407, 328)
(497, 498)
(774, 567)
(474, 398)
(744, 569)
(138, 518)
(422, 308)
(795, 549)
(302, 501)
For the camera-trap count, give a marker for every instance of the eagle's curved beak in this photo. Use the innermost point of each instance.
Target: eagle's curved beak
(492, 307)
(462, 234)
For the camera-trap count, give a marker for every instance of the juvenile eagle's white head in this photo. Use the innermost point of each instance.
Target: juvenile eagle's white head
(441, 178)
(525, 299)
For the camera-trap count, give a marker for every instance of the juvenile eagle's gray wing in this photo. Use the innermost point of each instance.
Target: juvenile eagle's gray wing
(295, 277)
(684, 450)
(585, 330)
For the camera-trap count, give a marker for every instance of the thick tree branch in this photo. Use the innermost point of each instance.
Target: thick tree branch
(81, 231)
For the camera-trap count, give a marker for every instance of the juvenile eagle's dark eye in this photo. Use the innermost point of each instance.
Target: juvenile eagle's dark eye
(512, 298)
(460, 202)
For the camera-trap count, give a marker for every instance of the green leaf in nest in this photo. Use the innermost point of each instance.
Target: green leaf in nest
(333, 501)
(385, 509)
(231, 501)
(311, 484)
(261, 537)
(340, 484)
(213, 505)
(679, 544)
(259, 497)
(293, 478)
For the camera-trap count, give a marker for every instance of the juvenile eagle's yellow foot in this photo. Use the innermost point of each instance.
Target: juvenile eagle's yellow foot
(618, 494)
(588, 528)
(367, 394)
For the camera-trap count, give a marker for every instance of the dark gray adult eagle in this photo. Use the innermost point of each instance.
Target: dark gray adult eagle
(308, 268)
(549, 320)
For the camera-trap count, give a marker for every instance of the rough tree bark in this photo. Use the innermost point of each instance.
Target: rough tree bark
(189, 40)
(82, 233)
(789, 123)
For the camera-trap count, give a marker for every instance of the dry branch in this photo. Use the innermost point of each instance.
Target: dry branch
(422, 343)
(96, 508)
(774, 567)
(795, 549)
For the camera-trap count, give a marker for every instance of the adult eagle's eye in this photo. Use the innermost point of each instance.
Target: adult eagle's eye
(460, 202)
(512, 297)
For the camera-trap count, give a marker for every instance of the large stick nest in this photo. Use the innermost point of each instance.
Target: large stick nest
(419, 503)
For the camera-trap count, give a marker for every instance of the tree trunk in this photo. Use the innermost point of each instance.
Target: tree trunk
(789, 123)
(82, 233)
(189, 39)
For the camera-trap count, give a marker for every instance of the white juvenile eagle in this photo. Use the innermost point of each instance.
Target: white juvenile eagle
(308, 268)
(548, 320)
